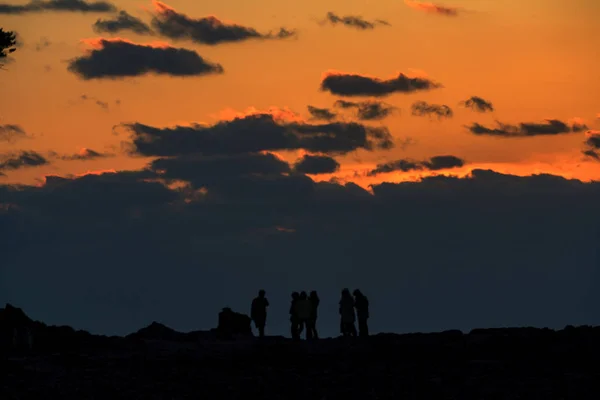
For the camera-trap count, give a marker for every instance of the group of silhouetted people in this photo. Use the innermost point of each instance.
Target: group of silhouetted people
(303, 314)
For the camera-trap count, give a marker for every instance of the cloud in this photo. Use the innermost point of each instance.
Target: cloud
(133, 250)
(100, 103)
(254, 133)
(368, 110)
(353, 21)
(83, 155)
(118, 58)
(422, 108)
(122, 22)
(11, 132)
(321, 113)
(435, 163)
(209, 30)
(44, 43)
(578, 125)
(316, 164)
(344, 84)
(592, 154)
(526, 129)
(593, 145)
(58, 5)
(207, 171)
(478, 104)
(433, 8)
(23, 159)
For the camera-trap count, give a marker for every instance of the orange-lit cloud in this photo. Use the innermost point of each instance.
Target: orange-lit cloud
(433, 8)
(117, 58)
(280, 114)
(100, 43)
(353, 84)
(84, 154)
(208, 30)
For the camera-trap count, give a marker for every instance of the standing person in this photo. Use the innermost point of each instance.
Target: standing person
(303, 308)
(258, 312)
(312, 322)
(347, 314)
(361, 303)
(295, 323)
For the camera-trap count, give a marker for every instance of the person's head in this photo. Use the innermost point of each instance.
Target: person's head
(313, 294)
(295, 295)
(357, 293)
(346, 292)
(303, 295)
(261, 293)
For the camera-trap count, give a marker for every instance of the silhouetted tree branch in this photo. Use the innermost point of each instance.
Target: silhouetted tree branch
(7, 42)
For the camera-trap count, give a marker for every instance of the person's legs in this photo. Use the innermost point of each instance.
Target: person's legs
(363, 328)
(352, 329)
(295, 329)
(315, 334)
(309, 329)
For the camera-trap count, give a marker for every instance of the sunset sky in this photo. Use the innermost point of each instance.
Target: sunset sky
(399, 90)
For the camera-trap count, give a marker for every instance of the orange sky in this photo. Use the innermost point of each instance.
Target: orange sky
(533, 60)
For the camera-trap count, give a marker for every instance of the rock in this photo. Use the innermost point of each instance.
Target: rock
(233, 325)
(16, 330)
(156, 331)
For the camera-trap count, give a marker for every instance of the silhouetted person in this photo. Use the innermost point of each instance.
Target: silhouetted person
(303, 309)
(347, 314)
(361, 303)
(312, 322)
(258, 312)
(294, 321)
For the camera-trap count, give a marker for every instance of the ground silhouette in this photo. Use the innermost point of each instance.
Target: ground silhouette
(158, 362)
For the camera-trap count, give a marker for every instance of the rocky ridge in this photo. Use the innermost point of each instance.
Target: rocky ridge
(160, 363)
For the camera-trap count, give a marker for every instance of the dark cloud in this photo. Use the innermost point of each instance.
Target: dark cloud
(11, 132)
(422, 108)
(132, 250)
(368, 110)
(207, 171)
(592, 154)
(478, 104)
(526, 129)
(122, 22)
(593, 145)
(209, 30)
(316, 164)
(593, 139)
(433, 8)
(83, 155)
(578, 126)
(255, 133)
(100, 103)
(117, 58)
(58, 5)
(344, 84)
(23, 159)
(435, 163)
(353, 21)
(323, 114)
